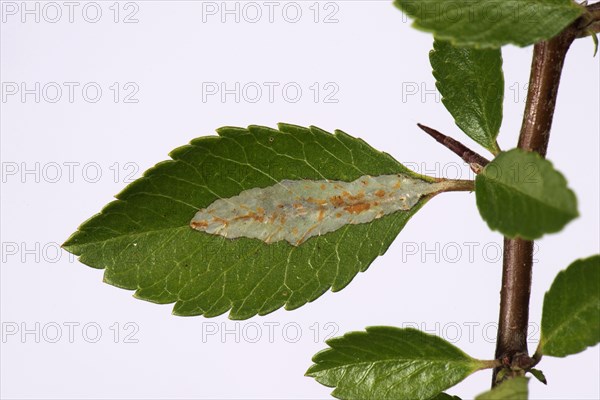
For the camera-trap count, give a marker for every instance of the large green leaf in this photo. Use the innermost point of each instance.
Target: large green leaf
(472, 85)
(571, 313)
(511, 389)
(144, 241)
(391, 363)
(491, 23)
(521, 195)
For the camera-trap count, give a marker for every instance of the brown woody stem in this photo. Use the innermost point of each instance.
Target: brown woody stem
(546, 69)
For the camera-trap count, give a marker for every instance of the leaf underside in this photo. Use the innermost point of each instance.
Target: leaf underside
(491, 23)
(144, 242)
(390, 363)
(471, 82)
(571, 312)
(521, 195)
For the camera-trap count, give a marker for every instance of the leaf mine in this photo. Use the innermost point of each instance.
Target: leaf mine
(296, 210)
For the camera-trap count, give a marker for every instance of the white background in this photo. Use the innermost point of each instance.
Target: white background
(376, 60)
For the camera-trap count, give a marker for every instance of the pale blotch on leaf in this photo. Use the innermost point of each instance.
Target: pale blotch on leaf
(297, 210)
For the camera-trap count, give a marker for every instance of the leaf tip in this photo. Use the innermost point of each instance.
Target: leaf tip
(539, 375)
(70, 245)
(310, 373)
(66, 245)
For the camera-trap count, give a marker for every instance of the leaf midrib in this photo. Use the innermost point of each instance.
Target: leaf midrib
(152, 231)
(431, 361)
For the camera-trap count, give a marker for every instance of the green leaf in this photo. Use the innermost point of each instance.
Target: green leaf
(594, 36)
(510, 389)
(501, 374)
(571, 312)
(521, 195)
(539, 375)
(491, 23)
(144, 241)
(445, 396)
(391, 363)
(472, 85)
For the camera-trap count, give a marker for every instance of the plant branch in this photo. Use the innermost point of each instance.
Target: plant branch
(590, 22)
(593, 14)
(546, 69)
(475, 161)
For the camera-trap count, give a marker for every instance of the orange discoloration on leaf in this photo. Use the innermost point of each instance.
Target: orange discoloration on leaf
(321, 214)
(351, 197)
(337, 201)
(250, 215)
(380, 193)
(357, 208)
(306, 235)
(220, 220)
(199, 224)
(316, 201)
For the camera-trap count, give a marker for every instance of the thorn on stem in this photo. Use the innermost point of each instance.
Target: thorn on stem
(475, 161)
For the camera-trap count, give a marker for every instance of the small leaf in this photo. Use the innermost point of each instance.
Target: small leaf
(539, 375)
(521, 195)
(594, 36)
(501, 374)
(571, 312)
(391, 363)
(145, 243)
(472, 85)
(492, 23)
(510, 389)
